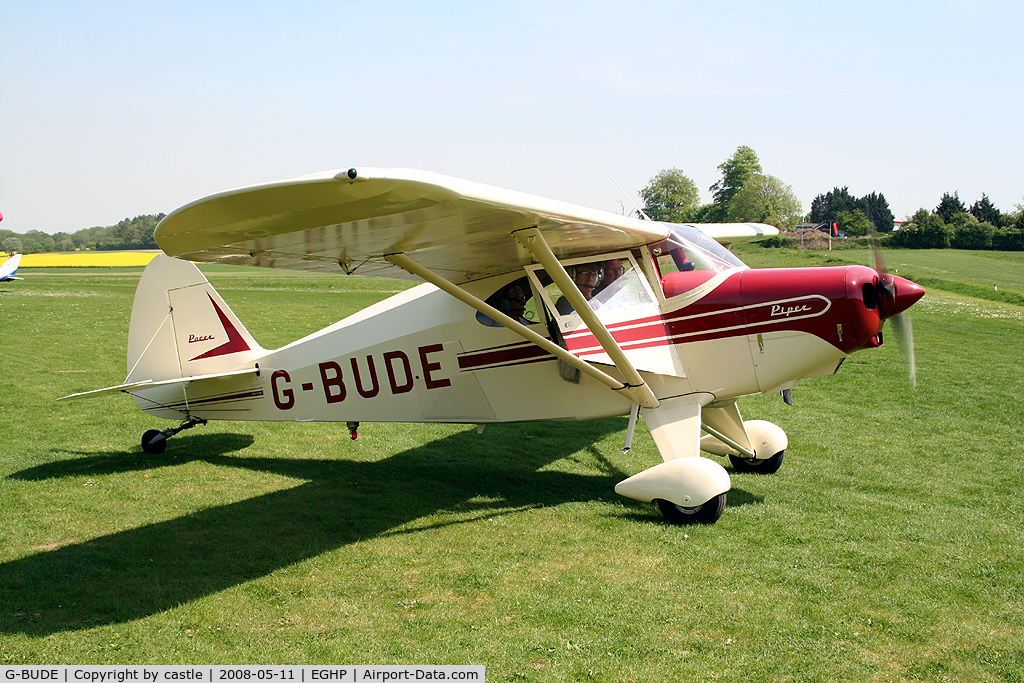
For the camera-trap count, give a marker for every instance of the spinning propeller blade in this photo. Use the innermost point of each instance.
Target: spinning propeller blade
(895, 296)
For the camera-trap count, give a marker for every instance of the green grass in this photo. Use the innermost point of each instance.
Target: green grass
(889, 547)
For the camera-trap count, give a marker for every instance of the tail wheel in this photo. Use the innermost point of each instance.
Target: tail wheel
(767, 466)
(153, 448)
(708, 513)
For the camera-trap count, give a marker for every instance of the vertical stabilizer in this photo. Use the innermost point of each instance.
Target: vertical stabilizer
(9, 269)
(181, 326)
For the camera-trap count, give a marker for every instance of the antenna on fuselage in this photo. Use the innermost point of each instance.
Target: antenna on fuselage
(628, 196)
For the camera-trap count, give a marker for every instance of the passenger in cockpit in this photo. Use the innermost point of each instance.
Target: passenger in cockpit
(510, 300)
(611, 271)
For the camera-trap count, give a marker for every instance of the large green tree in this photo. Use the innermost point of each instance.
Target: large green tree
(12, 244)
(135, 233)
(826, 208)
(986, 212)
(949, 207)
(925, 230)
(37, 242)
(736, 171)
(765, 199)
(853, 223)
(876, 209)
(970, 233)
(670, 196)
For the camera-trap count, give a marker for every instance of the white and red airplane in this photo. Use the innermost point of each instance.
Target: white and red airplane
(532, 309)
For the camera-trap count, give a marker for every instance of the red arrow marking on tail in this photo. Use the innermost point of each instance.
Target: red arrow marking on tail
(235, 342)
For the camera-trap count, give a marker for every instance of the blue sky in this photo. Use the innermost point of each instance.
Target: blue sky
(109, 110)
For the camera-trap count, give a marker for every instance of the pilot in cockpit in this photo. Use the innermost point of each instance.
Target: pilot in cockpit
(586, 277)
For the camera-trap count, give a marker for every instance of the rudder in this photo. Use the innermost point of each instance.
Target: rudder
(181, 327)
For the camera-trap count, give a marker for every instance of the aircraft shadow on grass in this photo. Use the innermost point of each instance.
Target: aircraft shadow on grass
(138, 572)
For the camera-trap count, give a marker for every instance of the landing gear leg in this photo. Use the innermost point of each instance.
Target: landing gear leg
(154, 441)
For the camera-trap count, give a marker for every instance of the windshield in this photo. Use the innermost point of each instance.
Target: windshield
(689, 259)
(690, 249)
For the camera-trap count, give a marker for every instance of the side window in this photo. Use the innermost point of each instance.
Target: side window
(612, 285)
(622, 287)
(515, 300)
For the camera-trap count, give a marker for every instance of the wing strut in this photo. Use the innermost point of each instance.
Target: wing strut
(533, 240)
(409, 265)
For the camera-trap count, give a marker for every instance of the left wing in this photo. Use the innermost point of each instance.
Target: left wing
(348, 221)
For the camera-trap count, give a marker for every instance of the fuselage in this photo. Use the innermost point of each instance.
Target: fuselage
(690, 317)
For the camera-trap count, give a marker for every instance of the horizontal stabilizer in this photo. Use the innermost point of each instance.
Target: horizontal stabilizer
(730, 233)
(129, 386)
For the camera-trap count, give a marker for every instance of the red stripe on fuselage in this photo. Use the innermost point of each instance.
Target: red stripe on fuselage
(499, 356)
(809, 300)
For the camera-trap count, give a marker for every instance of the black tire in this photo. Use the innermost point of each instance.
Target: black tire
(153, 448)
(708, 513)
(767, 466)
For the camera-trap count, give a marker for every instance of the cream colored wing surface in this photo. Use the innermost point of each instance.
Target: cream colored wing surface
(728, 233)
(347, 221)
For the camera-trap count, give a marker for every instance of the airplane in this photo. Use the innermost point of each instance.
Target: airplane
(9, 269)
(514, 321)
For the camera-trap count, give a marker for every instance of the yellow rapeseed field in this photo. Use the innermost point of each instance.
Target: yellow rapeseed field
(83, 259)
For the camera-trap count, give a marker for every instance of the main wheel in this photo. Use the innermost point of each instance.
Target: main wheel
(708, 513)
(767, 466)
(153, 448)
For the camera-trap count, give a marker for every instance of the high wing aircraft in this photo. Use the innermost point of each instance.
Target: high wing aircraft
(9, 270)
(531, 309)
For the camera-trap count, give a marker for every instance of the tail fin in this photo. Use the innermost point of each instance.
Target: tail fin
(9, 269)
(181, 327)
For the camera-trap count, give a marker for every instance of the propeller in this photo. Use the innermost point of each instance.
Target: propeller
(895, 296)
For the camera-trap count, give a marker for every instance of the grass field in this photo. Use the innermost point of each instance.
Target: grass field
(889, 547)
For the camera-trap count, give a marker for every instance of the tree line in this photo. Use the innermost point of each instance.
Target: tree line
(131, 233)
(951, 224)
(745, 194)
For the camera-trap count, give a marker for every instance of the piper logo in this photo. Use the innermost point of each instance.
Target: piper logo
(787, 311)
